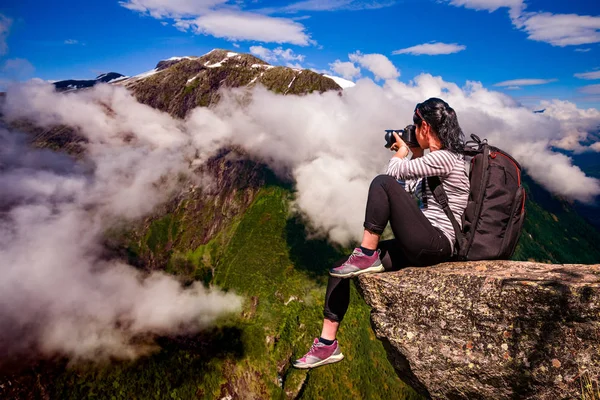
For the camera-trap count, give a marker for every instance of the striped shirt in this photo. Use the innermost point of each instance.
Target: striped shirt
(450, 167)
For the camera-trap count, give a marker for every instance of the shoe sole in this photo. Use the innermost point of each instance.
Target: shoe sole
(328, 360)
(352, 274)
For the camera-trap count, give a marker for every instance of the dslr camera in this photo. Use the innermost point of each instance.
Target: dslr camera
(407, 134)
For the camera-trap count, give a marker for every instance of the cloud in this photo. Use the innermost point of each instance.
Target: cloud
(556, 29)
(216, 18)
(575, 124)
(588, 75)
(432, 49)
(583, 50)
(16, 69)
(5, 24)
(563, 29)
(378, 64)
(329, 5)
(513, 88)
(248, 26)
(590, 89)
(488, 5)
(59, 293)
(276, 54)
(294, 65)
(347, 70)
(172, 8)
(71, 41)
(525, 82)
(515, 7)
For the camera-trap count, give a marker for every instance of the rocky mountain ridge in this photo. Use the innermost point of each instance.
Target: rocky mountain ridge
(75, 84)
(181, 84)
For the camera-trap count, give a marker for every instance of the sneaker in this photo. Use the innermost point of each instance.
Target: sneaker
(319, 354)
(358, 263)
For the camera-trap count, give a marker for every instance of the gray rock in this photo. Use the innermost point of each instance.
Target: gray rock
(491, 329)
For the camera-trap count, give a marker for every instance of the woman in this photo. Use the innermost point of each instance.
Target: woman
(423, 233)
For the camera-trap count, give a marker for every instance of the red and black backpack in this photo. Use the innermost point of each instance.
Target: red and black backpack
(495, 212)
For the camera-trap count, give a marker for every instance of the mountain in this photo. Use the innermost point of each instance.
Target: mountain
(180, 84)
(244, 237)
(73, 84)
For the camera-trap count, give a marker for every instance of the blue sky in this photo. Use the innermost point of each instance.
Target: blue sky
(529, 49)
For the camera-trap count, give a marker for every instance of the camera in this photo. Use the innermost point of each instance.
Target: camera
(407, 134)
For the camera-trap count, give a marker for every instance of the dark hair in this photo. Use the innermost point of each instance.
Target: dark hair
(443, 121)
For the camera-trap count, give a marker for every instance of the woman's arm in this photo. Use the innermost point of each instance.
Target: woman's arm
(436, 163)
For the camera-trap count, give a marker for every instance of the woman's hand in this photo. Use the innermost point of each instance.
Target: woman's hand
(400, 147)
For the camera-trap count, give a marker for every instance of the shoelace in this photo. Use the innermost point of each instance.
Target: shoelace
(354, 255)
(314, 347)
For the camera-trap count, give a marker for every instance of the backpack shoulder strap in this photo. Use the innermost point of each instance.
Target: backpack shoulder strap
(441, 197)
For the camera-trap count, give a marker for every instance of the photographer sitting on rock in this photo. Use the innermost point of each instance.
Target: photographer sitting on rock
(423, 233)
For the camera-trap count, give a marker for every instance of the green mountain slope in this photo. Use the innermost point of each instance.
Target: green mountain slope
(553, 231)
(263, 255)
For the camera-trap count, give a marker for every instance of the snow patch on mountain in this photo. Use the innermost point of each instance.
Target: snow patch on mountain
(343, 83)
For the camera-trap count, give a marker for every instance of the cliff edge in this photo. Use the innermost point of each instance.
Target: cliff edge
(491, 329)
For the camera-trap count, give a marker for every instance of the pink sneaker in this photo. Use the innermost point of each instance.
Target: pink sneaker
(358, 263)
(319, 354)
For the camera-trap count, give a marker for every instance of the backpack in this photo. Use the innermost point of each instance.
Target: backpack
(495, 212)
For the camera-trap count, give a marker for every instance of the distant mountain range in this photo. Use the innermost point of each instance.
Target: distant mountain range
(73, 84)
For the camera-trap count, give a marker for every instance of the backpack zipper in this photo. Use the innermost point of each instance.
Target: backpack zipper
(493, 154)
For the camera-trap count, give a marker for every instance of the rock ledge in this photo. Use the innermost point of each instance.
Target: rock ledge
(491, 329)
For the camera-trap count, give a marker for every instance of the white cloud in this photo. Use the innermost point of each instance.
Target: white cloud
(219, 19)
(17, 69)
(583, 50)
(488, 5)
(5, 24)
(248, 26)
(555, 29)
(71, 41)
(347, 70)
(515, 7)
(513, 88)
(525, 82)
(432, 49)
(172, 8)
(378, 64)
(294, 65)
(575, 124)
(329, 5)
(588, 75)
(563, 29)
(590, 89)
(276, 54)
(59, 292)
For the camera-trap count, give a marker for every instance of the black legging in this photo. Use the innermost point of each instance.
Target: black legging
(417, 242)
